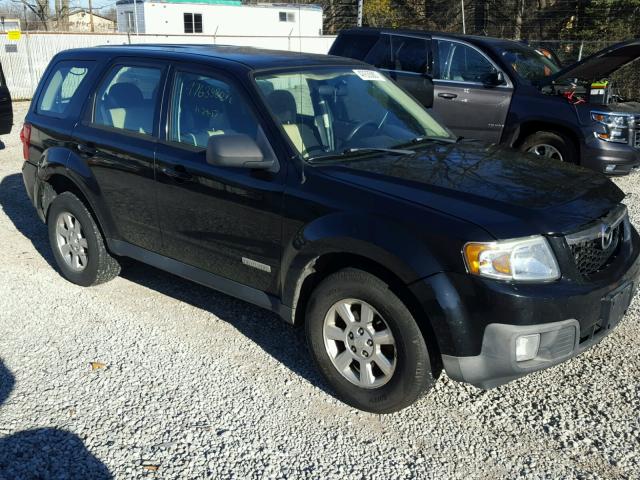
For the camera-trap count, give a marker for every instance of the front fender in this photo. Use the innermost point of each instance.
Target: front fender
(388, 244)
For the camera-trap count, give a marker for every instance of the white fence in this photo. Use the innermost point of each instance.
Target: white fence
(25, 60)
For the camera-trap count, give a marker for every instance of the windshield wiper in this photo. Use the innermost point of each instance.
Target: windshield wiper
(350, 151)
(418, 140)
(398, 151)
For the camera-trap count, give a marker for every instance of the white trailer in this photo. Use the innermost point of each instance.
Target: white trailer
(217, 17)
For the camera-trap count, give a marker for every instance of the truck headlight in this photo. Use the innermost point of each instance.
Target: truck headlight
(527, 259)
(612, 127)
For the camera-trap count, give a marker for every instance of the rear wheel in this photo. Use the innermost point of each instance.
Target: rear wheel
(77, 244)
(366, 343)
(551, 145)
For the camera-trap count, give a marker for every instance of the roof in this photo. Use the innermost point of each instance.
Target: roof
(250, 57)
(479, 39)
(95, 15)
(233, 3)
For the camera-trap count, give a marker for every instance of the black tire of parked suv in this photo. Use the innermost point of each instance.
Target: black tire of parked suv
(412, 376)
(101, 266)
(561, 143)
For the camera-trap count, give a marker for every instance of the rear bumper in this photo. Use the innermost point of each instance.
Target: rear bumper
(29, 173)
(607, 157)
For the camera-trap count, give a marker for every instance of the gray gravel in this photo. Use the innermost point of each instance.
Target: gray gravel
(190, 383)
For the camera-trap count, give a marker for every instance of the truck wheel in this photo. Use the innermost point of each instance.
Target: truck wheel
(366, 343)
(77, 244)
(550, 145)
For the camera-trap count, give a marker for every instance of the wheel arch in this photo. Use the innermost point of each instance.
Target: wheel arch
(328, 263)
(60, 171)
(531, 127)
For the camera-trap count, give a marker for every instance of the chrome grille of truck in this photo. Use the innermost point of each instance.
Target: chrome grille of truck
(594, 248)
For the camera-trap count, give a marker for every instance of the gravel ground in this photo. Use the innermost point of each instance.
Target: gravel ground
(151, 376)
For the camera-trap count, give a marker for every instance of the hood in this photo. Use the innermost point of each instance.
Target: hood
(599, 65)
(507, 193)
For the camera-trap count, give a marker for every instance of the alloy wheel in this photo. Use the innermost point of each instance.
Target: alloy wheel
(71, 242)
(360, 343)
(546, 151)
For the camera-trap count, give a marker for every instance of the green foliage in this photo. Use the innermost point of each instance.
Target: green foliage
(380, 13)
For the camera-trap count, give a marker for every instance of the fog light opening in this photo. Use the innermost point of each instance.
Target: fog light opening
(610, 168)
(527, 347)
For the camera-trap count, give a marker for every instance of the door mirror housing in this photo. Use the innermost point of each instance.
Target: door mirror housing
(494, 79)
(239, 150)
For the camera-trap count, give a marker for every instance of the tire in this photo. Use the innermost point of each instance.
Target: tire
(540, 141)
(411, 376)
(69, 249)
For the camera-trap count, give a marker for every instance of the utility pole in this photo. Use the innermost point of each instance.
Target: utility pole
(91, 17)
(464, 23)
(360, 8)
(135, 14)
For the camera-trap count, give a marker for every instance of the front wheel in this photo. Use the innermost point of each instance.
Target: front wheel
(551, 145)
(366, 343)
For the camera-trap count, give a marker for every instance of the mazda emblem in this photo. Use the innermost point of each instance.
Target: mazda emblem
(606, 236)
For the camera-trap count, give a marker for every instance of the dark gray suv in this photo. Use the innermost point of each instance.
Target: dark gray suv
(501, 91)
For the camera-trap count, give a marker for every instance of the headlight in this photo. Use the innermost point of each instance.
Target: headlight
(525, 259)
(612, 127)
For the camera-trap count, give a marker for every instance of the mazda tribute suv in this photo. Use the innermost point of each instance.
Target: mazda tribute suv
(315, 187)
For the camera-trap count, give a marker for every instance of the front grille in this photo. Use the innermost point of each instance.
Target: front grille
(590, 257)
(635, 132)
(595, 248)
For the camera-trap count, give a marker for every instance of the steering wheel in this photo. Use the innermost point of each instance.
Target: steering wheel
(355, 130)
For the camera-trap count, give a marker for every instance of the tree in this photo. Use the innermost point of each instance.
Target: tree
(380, 13)
(40, 10)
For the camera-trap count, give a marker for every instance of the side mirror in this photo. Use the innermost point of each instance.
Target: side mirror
(238, 150)
(494, 79)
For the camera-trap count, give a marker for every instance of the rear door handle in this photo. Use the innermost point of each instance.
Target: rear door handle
(87, 150)
(447, 95)
(178, 173)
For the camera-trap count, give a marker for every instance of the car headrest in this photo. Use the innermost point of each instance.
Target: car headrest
(124, 95)
(283, 105)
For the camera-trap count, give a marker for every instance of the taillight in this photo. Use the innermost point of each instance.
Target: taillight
(25, 138)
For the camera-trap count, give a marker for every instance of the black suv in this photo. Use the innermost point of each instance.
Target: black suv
(507, 92)
(316, 188)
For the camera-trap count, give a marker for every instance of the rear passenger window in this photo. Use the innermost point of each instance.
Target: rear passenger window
(127, 99)
(380, 54)
(62, 85)
(411, 54)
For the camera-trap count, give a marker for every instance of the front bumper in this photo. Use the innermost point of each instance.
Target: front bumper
(497, 365)
(476, 321)
(608, 157)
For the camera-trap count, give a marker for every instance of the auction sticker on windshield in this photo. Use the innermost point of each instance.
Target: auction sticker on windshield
(370, 75)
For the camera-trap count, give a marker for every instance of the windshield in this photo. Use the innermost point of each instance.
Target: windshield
(331, 111)
(528, 63)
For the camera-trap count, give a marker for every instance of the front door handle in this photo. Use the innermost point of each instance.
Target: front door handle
(87, 150)
(447, 95)
(178, 173)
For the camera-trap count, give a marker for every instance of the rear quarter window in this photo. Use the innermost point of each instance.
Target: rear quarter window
(61, 87)
(353, 45)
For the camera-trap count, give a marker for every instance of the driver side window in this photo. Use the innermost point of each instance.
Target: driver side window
(204, 106)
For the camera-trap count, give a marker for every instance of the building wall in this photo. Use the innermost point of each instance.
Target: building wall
(10, 24)
(81, 22)
(167, 19)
